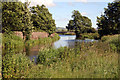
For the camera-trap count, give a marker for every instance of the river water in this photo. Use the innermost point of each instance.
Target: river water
(65, 40)
(69, 41)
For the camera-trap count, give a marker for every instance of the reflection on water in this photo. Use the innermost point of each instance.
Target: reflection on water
(32, 52)
(69, 41)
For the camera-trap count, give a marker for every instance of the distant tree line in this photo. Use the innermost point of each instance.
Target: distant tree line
(16, 16)
(108, 23)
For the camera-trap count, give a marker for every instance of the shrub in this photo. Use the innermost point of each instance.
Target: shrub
(91, 35)
(16, 66)
(50, 56)
(113, 40)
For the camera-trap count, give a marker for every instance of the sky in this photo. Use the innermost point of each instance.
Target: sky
(62, 9)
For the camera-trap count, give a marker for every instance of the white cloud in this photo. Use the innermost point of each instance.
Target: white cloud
(70, 3)
(48, 3)
(84, 13)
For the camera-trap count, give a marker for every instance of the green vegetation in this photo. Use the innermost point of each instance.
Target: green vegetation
(64, 63)
(113, 40)
(91, 60)
(42, 19)
(15, 43)
(108, 23)
(16, 66)
(81, 24)
(22, 18)
(90, 35)
(85, 60)
(11, 42)
(12, 19)
(43, 41)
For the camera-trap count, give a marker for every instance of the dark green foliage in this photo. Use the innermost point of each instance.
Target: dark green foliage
(16, 17)
(16, 66)
(12, 16)
(27, 29)
(91, 35)
(109, 23)
(81, 24)
(114, 41)
(50, 56)
(11, 42)
(42, 19)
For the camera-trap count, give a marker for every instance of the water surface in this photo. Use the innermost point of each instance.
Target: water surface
(69, 41)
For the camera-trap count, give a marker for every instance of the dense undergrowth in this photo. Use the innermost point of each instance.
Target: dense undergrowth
(43, 41)
(13, 42)
(86, 60)
(113, 40)
(90, 35)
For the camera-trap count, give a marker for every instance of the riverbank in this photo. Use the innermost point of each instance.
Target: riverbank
(16, 43)
(85, 60)
(83, 35)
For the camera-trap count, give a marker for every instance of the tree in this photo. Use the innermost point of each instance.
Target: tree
(79, 23)
(109, 23)
(12, 16)
(27, 21)
(42, 19)
(16, 16)
(70, 25)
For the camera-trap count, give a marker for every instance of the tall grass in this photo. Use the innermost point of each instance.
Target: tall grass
(11, 42)
(43, 41)
(86, 60)
(91, 35)
(113, 40)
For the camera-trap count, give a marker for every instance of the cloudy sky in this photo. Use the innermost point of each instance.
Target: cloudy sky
(62, 9)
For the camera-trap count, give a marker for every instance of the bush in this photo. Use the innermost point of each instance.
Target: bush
(113, 40)
(91, 35)
(11, 41)
(49, 56)
(16, 66)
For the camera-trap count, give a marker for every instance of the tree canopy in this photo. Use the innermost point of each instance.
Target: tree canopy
(42, 19)
(80, 23)
(16, 16)
(109, 22)
(12, 16)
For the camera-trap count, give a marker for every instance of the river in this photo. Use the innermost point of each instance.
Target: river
(69, 41)
(65, 40)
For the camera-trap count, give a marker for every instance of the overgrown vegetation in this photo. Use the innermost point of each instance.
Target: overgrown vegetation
(85, 60)
(11, 42)
(80, 24)
(109, 22)
(43, 41)
(91, 60)
(113, 40)
(15, 43)
(90, 36)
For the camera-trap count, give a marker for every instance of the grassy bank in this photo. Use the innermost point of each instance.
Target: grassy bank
(43, 41)
(15, 43)
(90, 35)
(91, 60)
(86, 60)
(113, 40)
